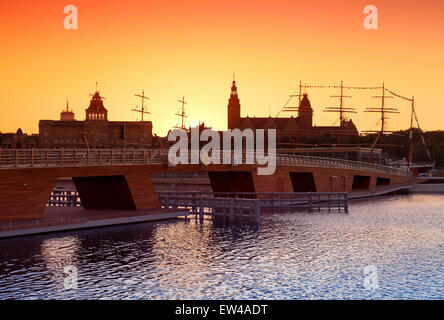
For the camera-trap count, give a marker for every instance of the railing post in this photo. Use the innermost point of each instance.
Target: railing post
(201, 207)
(346, 203)
(47, 157)
(32, 157)
(112, 155)
(61, 157)
(232, 208)
(100, 156)
(310, 202)
(134, 155)
(272, 202)
(16, 158)
(0, 157)
(144, 156)
(257, 210)
(329, 202)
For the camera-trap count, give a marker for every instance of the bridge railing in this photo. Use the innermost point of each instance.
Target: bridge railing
(249, 157)
(340, 164)
(13, 158)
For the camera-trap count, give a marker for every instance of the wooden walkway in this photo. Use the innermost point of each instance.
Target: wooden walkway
(251, 204)
(231, 204)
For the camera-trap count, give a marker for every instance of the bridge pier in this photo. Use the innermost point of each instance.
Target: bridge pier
(24, 193)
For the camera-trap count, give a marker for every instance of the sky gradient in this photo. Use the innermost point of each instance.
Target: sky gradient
(191, 48)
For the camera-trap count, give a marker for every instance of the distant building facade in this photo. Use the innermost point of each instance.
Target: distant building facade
(18, 140)
(287, 128)
(95, 132)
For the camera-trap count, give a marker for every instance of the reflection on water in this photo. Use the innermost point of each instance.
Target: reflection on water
(285, 256)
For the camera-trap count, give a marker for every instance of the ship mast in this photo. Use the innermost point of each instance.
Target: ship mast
(144, 110)
(409, 155)
(383, 110)
(286, 107)
(341, 109)
(181, 113)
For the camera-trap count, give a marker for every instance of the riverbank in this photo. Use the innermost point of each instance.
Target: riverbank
(57, 219)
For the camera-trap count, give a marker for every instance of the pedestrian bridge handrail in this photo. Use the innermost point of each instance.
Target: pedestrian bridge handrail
(25, 158)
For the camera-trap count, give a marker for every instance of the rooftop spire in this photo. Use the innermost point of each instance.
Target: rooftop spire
(233, 87)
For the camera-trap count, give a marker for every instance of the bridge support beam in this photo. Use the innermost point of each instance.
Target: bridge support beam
(24, 193)
(231, 181)
(277, 182)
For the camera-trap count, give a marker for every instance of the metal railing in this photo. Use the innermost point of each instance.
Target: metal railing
(297, 160)
(14, 158)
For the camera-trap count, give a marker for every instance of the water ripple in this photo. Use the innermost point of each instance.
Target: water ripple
(285, 256)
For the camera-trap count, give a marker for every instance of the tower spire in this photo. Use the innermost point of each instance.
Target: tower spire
(233, 107)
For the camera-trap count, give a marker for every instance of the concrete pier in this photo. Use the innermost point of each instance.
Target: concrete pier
(73, 218)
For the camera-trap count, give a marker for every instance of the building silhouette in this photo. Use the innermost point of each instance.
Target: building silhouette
(288, 129)
(96, 131)
(18, 140)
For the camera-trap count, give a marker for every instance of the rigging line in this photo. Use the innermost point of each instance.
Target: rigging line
(397, 95)
(337, 87)
(375, 127)
(324, 115)
(335, 122)
(285, 105)
(363, 88)
(362, 122)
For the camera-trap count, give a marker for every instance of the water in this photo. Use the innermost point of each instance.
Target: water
(285, 256)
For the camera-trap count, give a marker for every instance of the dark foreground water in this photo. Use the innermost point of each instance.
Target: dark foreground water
(400, 239)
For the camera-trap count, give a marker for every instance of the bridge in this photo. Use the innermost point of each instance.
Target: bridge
(120, 179)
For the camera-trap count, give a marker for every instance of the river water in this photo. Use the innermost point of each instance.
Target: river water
(397, 240)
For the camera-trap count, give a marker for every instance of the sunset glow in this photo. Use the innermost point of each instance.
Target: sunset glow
(192, 48)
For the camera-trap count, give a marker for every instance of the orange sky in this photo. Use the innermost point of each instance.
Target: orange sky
(191, 48)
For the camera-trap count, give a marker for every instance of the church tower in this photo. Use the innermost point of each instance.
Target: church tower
(67, 115)
(233, 108)
(96, 109)
(96, 126)
(305, 113)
